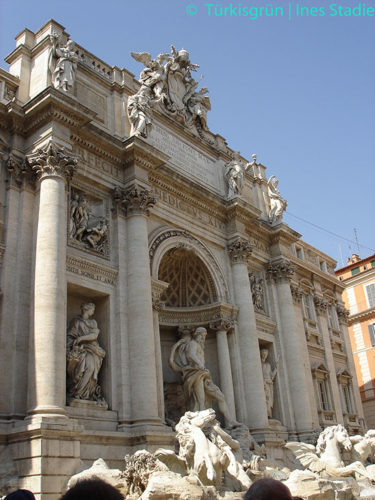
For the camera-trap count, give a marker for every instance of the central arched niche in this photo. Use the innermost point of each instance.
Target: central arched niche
(190, 283)
(191, 287)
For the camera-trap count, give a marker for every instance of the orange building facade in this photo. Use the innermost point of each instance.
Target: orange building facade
(358, 276)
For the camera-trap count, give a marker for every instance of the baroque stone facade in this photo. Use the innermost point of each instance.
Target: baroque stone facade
(120, 236)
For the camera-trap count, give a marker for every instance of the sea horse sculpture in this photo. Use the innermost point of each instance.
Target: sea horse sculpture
(325, 459)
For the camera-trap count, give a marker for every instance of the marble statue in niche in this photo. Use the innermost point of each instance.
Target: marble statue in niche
(187, 357)
(84, 357)
(257, 292)
(234, 175)
(88, 225)
(167, 85)
(64, 69)
(269, 375)
(277, 203)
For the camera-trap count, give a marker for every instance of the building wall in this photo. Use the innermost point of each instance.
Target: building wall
(160, 197)
(356, 277)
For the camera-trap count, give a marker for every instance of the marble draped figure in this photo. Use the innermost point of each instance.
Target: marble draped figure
(277, 203)
(187, 357)
(269, 375)
(84, 357)
(64, 71)
(234, 174)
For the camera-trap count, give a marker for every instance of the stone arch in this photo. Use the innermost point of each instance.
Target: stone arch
(167, 239)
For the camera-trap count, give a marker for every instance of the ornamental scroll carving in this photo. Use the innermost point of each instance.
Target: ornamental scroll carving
(240, 250)
(321, 304)
(342, 313)
(20, 172)
(280, 271)
(53, 160)
(135, 200)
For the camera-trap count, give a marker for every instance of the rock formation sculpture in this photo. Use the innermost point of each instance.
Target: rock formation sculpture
(210, 464)
(187, 357)
(84, 357)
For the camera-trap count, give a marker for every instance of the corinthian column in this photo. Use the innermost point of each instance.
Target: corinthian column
(136, 202)
(239, 252)
(54, 167)
(280, 272)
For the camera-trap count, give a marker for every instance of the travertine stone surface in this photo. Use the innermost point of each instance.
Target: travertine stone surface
(152, 217)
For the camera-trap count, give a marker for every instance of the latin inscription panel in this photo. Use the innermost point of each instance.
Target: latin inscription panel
(188, 160)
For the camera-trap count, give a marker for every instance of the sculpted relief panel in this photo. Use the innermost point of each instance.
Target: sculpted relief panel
(88, 223)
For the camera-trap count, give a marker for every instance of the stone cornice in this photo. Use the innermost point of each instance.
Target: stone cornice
(196, 316)
(189, 194)
(109, 150)
(139, 152)
(360, 316)
(303, 267)
(282, 233)
(53, 105)
(239, 209)
(89, 269)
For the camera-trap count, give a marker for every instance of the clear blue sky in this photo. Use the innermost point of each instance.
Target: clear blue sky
(300, 93)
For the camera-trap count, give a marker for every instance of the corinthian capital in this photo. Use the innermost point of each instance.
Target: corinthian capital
(280, 270)
(342, 313)
(20, 172)
(240, 250)
(136, 200)
(53, 161)
(321, 304)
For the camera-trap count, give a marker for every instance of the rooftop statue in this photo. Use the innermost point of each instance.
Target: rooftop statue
(277, 204)
(167, 84)
(64, 70)
(234, 174)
